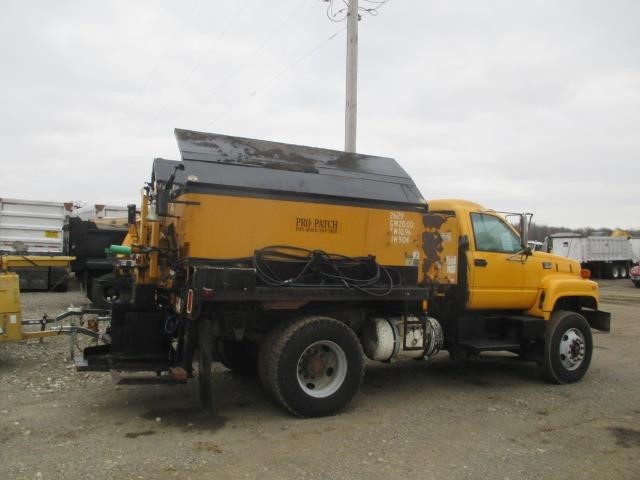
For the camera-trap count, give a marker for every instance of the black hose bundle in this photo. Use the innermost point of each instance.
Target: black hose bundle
(281, 265)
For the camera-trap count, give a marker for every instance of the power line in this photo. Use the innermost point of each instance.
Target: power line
(246, 63)
(263, 44)
(276, 76)
(339, 13)
(170, 42)
(206, 54)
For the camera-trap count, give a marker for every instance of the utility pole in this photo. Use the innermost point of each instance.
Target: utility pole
(351, 101)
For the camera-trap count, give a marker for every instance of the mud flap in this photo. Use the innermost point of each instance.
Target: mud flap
(598, 319)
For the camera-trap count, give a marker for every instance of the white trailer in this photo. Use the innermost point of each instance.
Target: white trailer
(99, 211)
(635, 246)
(34, 227)
(606, 257)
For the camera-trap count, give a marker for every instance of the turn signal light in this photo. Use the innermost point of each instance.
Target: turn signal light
(585, 273)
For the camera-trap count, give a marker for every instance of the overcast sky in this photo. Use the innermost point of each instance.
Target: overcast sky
(517, 105)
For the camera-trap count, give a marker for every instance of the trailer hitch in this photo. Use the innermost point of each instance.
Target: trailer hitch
(72, 329)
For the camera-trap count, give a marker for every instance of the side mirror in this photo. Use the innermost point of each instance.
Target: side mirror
(524, 231)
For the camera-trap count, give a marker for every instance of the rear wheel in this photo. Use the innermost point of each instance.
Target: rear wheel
(615, 273)
(313, 366)
(568, 348)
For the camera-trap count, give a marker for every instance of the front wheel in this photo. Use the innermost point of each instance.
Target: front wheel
(568, 348)
(313, 366)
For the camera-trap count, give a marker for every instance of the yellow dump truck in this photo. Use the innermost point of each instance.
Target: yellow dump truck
(294, 263)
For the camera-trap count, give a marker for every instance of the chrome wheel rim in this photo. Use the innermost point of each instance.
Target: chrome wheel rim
(321, 369)
(572, 349)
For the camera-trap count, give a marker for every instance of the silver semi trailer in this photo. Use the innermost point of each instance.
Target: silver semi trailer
(605, 257)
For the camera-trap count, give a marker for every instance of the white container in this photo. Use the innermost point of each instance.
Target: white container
(36, 224)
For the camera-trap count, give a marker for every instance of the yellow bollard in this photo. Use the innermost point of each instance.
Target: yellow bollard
(10, 312)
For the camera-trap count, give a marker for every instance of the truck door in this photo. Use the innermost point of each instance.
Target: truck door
(496, 272)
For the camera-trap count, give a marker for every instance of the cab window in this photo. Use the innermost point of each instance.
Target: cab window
(493, 235)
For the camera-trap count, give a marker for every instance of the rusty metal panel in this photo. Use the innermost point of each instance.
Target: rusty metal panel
(440, 245)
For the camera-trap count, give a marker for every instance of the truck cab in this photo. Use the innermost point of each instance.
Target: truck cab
(510, 297)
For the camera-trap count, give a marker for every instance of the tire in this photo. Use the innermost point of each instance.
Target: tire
(108, 289)
(62, 287)
(312, 367)
(264, 354)
(615, 273)
(205, 357)
(622, 270)
(568, 348)
(239, 356)
(58, 280)
(637, 284)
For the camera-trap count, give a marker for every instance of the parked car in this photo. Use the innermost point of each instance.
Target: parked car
(634, 274)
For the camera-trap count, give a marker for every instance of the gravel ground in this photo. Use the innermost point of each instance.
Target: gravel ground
(412, 420)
